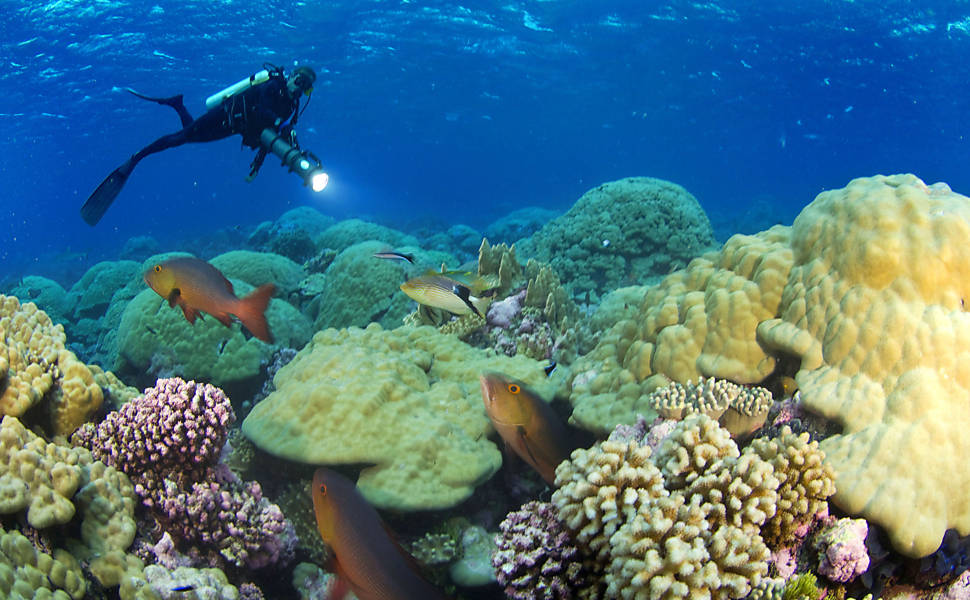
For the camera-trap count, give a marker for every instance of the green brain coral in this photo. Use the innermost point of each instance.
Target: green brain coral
(630, 231)
(155, 338)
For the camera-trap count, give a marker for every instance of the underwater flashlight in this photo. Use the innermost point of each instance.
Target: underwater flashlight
(302, 162)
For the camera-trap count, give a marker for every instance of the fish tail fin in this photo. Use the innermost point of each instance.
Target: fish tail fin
(481, 304)
(252, 312)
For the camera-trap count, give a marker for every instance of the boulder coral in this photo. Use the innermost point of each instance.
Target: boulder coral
(697, 323)
(875, 309)
(156, 339)
(621, 232)
(406, 401)
(35, 367)
(57, 484)
(867, 292)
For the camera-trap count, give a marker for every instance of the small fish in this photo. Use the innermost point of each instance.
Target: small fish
(526, 422)
(183, 588)
(440, 291)
(550, 368)
(394, 255)
(367, 560)
(195, 286)
(788, 386)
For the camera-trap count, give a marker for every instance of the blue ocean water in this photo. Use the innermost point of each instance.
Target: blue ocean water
(444, 112)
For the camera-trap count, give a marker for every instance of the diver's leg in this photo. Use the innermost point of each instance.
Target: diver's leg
(173, 101)
(100, 200)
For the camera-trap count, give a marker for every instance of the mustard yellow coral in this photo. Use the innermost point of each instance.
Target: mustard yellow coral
(875, 309)
(54, 482)
(34, 365)
(26, 572)
(698, 322)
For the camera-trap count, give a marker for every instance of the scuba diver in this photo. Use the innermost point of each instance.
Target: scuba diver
(266, 100)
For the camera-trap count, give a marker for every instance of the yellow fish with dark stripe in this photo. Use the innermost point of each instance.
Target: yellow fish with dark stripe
(367, 560)
(195, 286)
(440, 291)
(527, 423)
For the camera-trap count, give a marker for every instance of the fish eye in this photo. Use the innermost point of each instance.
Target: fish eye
(513, 388)
(158, 268)
(323, 489)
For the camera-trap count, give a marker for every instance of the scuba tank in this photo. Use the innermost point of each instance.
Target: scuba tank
(216, 99)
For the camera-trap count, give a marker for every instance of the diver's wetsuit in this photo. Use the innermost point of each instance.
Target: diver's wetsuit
(247, 113)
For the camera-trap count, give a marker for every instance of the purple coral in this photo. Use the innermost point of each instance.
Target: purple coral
(176, 428)
(536, 557)
(169, 442)
(842, 550)
(230, 517)
(501, 314)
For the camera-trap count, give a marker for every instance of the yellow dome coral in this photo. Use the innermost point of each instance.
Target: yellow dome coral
(698, 322)
(875, 309)
(34, 365)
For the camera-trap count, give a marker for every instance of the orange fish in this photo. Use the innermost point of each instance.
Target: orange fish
(526, 423)
(368, 560)
(196, 286)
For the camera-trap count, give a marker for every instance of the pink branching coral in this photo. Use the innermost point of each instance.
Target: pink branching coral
(169, 442)
(536, 557)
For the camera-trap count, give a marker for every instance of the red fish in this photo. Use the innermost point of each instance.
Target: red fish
(368, 560)
(196, 286)
(527, 423)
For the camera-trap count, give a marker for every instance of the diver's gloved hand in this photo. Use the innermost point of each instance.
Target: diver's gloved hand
(256, 164)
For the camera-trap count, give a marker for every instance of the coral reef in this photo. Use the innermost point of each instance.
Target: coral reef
(874, 309)
(36, 367)
(697, 323)
(257, 268)
(622, 232)
(866, 290)
(156, 339)
(339, 400)
(169, 442)
(686, 520)
(536, 557)
(358, 289)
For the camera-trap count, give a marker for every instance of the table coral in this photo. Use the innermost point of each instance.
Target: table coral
(406, 401)
(875, 309)
(698, 322)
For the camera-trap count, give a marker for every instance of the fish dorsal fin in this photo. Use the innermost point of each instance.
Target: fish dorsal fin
(173, 297)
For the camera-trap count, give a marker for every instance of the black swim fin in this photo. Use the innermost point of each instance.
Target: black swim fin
(176, 102)
(100, 200)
